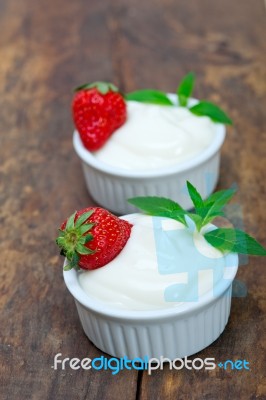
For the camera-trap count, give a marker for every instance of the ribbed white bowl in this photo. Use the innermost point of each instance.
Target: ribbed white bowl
(171, 332)
(112, 186)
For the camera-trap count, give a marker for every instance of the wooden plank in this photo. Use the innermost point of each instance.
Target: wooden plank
(227, 51)
(47, 49)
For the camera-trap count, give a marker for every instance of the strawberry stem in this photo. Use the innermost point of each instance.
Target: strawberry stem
(102, 87)
(73, 238)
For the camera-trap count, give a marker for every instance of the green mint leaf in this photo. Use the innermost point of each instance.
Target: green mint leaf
(159, 206)
(149, 96)
(223, 196)
(182, 100)
(211, 110)
(196, 219)
(185, 89)
(212, 216)
(70, 221)
(234, 240)
(82, 218)
(196, 199)
(215, 203)
(178, 215)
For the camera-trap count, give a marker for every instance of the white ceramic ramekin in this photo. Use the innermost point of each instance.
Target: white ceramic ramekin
(111, 186)
(173, 332)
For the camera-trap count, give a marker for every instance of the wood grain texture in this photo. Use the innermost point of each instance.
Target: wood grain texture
(49, 47)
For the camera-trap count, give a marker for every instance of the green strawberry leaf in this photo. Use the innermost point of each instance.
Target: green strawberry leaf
(67, 267)
(234, 240)
(159, 206)
(74, 261)
(60, 241)
(83, 218)
(83, 250)
(85, 239)
(211, 110)
(149, 96)
(185, 89)
(102, 87)
(70, 221)
(88, 238)
(85, 228)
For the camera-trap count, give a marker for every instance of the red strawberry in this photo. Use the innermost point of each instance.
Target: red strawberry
(98, 110)
(92, 237)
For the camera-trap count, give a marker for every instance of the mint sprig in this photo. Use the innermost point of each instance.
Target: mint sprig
(211, 207)
(196, 199)
(150, 96)
(160, 206)
(185, 89)
(235, 241)
(224, 239)
(184, 93)
(206, 108)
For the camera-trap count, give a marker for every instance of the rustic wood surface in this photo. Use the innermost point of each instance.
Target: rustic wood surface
(46, 49)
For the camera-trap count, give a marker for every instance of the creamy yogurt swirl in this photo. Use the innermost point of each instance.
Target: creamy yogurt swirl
(156, 136)
(160, 261)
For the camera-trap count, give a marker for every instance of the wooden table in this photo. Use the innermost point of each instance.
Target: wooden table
(49, 47)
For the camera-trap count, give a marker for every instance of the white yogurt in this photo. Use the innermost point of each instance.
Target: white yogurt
(139, 278)
(156, 136)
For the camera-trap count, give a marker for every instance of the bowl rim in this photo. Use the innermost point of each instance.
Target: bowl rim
(186, 308)
(88, 158)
